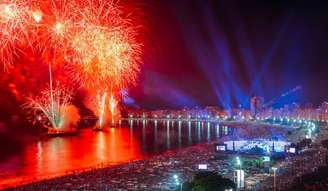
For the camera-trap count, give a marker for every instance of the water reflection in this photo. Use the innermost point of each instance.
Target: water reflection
(198, 132)
(189, 133)
(179, 133)
(155, 135)
(159, 135)
(208, 131)
(217, 130)
(143, 134)
(135, 139)
(168, 143)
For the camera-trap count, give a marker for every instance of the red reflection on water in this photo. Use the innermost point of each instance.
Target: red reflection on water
(59, 155)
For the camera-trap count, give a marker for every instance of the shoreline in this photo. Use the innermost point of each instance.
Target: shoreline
(27, 181)
(153, 172)
(167, 158)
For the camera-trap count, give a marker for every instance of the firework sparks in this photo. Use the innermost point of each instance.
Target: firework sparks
(13, 33)
(99, 57)
(37, 15)
(94, 38)
(101, 104)
(112, 107)
(92, 34)
(105, 56)
(50, 109)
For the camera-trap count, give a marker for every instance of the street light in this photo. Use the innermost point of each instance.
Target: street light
(274, 177)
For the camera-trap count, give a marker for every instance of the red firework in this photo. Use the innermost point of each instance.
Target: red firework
(95, 39)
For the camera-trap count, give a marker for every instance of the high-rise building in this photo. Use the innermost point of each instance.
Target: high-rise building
(256, 105)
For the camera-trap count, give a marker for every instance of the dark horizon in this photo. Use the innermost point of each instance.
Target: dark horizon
(222, 53)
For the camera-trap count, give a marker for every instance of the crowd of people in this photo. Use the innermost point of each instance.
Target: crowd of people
(151, 174)
(293, 168)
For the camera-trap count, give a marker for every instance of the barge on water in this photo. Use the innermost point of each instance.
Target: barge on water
(62, 132)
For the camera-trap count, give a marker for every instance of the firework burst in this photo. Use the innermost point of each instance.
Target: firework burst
(13, 29)
(55, 24)
(50, 110)
(104, 57)
(106, 52)
(95, 41)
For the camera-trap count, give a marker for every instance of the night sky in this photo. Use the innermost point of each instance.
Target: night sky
(221, 53)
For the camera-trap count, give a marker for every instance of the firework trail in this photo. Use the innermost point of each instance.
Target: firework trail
(112, 107)
(102, 103)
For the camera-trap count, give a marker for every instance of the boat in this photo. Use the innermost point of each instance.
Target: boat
(97, 128)
(62, 132)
